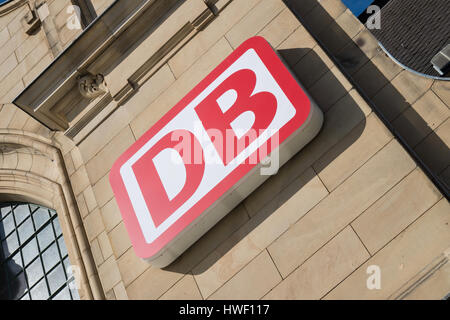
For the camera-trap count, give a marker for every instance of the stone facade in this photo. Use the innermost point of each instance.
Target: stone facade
(351, 199)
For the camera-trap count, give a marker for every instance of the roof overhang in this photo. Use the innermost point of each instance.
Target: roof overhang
(119, 51)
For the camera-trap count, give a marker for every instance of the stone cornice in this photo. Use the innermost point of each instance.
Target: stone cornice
(54, 191)
(124, 47)
(422, 276)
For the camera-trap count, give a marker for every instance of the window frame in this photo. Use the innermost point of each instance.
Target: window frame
(88, 13)
(10, 6)
(56, 242)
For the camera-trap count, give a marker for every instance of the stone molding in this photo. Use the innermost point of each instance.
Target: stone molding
(126, 45)
(92, 86)
(50, 188)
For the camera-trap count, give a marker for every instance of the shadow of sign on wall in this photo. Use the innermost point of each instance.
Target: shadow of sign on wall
(211, 151)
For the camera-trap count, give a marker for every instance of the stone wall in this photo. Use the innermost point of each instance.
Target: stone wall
(31, 164)
(352, 198)
(337, 206)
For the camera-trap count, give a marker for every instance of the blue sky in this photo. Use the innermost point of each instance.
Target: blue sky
(3, 1)
(357, 6)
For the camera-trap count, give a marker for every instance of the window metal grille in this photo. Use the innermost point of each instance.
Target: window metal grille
(34, 264)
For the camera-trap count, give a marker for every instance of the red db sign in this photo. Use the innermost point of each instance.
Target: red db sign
(211, 150)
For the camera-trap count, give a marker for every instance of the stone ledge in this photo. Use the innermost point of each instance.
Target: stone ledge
(410, 287)
(120, 45)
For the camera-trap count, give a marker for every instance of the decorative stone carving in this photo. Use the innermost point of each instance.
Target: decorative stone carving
(92, 86)
(93, 60)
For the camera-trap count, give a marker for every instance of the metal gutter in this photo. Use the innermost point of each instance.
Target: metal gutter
(409, 69)
(434, 179)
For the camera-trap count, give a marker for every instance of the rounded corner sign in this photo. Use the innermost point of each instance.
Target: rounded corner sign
(183, 175)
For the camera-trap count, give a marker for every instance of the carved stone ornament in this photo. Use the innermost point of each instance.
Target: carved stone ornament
(92, 86)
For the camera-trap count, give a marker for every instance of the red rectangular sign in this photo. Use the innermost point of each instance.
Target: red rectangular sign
(206, 154)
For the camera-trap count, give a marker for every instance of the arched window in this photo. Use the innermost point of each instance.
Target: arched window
(34, 262)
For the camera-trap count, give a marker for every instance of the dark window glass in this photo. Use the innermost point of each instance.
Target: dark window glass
(40, 291)
(30, 251)
(25, 297)
(14, 265)
(45, 237)
(56, 278)
(87, 11)
(33, 256)
(10, 244)
(7, 226)
(57, 227)
(26, 230)
(34, 272)
(18, 286)
(2, 2)
(62, 247)
(21, 212)
(3, 282)
(74, 293)
(40, 217)
(51, 257)
(4, 211)
(64, 294)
